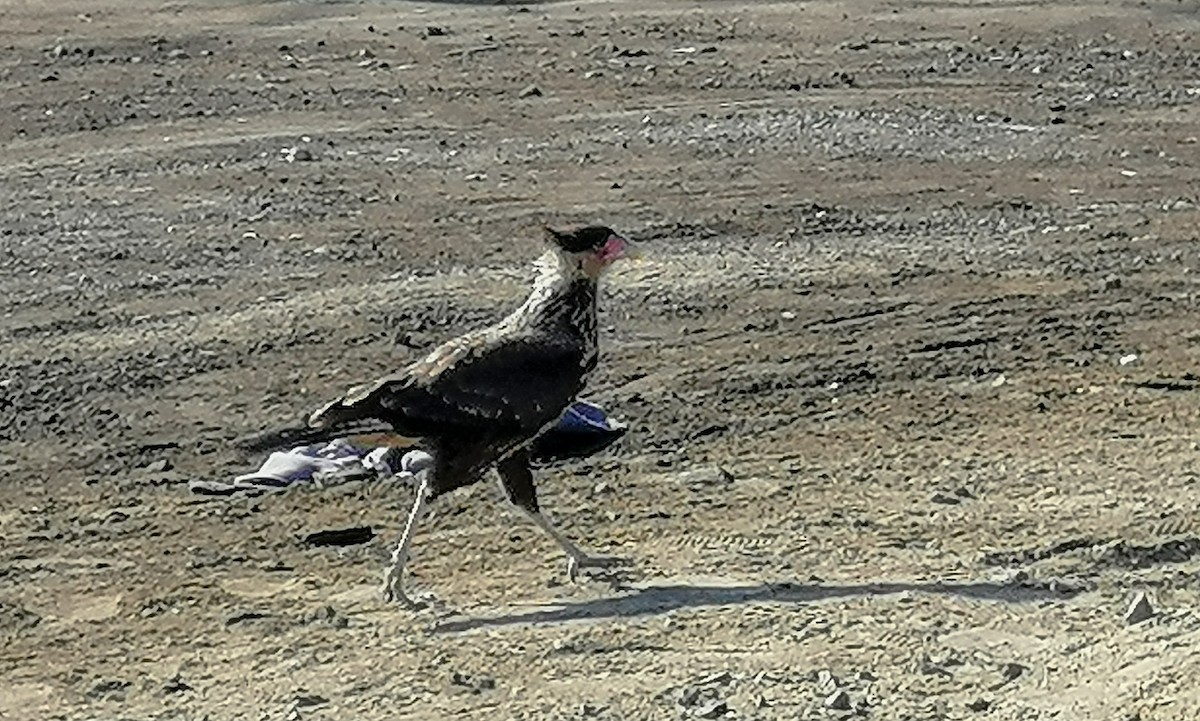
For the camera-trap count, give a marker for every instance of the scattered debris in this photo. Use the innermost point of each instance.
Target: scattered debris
(1139, 610)
(839, 700)
(309, 700)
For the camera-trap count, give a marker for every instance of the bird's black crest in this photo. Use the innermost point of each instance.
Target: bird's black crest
(581, 240)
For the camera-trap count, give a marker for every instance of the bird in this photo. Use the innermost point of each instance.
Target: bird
(481, 400)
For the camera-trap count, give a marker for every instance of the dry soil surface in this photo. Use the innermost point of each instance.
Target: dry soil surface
(910, 365)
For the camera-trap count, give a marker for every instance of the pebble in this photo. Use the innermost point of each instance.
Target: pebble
(1139, 610)
(707, 476)
(310, 700)
(109, 688)
(160, 466)
(530, 91)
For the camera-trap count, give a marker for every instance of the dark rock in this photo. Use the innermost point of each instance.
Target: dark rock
(310, 700)
(109, 688)
(243, 616)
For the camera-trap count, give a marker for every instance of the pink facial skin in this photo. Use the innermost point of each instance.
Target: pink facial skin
(613, 248)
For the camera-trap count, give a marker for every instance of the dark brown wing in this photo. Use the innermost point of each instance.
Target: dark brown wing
(512, 386)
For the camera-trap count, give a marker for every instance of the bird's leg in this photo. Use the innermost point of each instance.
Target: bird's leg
(393, 579)
(576, 557)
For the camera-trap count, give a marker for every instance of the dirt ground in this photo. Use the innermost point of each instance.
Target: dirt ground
(910, 364)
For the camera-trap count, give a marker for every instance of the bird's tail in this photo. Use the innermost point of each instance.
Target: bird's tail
(364, 431)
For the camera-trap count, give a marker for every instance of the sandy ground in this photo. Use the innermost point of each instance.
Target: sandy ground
(909, 366)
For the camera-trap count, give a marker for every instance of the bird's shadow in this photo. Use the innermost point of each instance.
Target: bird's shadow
(653, 600)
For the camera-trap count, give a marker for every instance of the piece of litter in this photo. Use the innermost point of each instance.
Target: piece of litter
(1139, 610)
(839, 700)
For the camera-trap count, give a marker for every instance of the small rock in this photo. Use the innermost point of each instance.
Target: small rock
(1012, 671)
(839, 700)
(979, 705)
(1111, 282)
(1128, 358)
(178, 54)
(109, 688)
(530, 91)
(310, 700)
(942, 498)
(162, 465)
(710, 476)
(434, 31)
(175, 684)
(1139, 610)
